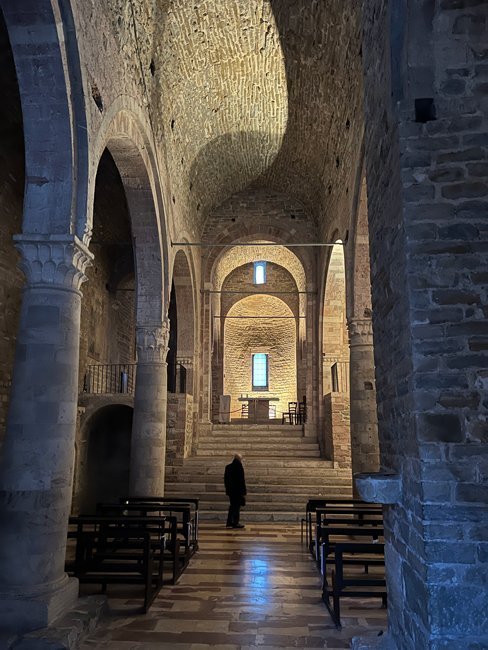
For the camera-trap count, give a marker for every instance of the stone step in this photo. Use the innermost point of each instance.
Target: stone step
(277, 463)
(242, 426)
(255, 433)
(308, 489)
(284, 453)
(236, 441)
(245, 437)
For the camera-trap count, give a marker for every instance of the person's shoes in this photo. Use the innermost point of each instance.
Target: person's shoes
(238, 526)
(229, 526)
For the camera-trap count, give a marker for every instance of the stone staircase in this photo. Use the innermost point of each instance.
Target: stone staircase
(283, 469)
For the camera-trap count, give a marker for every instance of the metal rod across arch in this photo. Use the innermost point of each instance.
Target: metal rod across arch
(254, 244)
(259, 293)
(247, 317)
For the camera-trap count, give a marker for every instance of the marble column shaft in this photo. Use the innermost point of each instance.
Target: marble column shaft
(148, 442)
(364, 422)
(36, 466)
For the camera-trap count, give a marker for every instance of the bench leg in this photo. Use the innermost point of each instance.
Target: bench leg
(337, 611)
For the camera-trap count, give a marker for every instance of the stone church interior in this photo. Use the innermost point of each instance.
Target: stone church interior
(253, 227)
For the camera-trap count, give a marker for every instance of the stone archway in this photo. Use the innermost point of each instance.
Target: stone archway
(105, 471)
(185, 304)
(260, 324)
(125, 139)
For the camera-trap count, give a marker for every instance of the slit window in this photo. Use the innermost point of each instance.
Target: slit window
(260, 371)
(259, 272)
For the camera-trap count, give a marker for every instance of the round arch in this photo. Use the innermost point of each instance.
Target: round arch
(276, 337)
(105, 466)
(186, 306)
(122, 134)
(54, 116)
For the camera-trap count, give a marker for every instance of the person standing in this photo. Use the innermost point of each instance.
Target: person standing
(235, 488)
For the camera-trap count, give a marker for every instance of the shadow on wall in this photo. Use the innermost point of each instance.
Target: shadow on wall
(240, 158)
(106, 470)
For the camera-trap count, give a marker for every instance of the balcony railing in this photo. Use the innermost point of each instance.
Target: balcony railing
(109, 379)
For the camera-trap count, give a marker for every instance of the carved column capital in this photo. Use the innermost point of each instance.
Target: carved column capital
(360, 331)
(53, 260)
(152, 343)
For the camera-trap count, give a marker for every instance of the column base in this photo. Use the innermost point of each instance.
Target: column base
(24, 613)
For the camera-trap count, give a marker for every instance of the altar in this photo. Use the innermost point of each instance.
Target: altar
(258, 407)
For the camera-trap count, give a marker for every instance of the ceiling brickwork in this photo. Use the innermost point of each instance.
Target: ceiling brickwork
(257, 93)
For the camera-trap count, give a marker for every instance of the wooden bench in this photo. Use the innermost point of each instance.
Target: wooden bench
(189, 523)
(176, 549)
(119, 550)
(357, 510)
(325, 502)
(364, 526)
(347, 583)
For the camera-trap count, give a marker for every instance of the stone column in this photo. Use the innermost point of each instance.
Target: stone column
(364, 423)
(148, 443)
(36, 466)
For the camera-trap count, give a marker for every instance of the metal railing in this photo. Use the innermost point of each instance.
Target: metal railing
(111, 378)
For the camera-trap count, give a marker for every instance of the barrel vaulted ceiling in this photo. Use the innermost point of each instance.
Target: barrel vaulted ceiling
(254, 93)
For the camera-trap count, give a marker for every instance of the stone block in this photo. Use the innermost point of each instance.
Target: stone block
(440, 427)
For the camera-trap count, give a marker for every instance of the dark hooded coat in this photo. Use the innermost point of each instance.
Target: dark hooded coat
(235, 483)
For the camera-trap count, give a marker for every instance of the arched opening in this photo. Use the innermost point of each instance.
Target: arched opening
(336, 442)
(173, 341)
(266, 326)
(185, 308)
(107, 342)
(12, 178)
(105, 475)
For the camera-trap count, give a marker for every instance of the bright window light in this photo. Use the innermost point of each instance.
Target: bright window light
(259, 371)
(259, 272)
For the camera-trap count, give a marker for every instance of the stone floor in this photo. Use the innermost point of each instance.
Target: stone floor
(252, 588)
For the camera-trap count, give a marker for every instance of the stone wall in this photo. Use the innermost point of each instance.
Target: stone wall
(335, 441)
(277, 337)
(179, 430)
(427, 190)
(241, 280)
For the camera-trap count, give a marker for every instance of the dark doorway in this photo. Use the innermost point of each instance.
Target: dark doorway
(106, 476)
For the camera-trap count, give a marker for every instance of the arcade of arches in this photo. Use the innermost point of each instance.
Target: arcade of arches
(151, 154)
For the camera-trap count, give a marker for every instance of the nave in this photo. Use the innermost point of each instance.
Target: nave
(252, 588)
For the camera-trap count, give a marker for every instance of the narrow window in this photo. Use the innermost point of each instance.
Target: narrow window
(260, 371)
(259, 272)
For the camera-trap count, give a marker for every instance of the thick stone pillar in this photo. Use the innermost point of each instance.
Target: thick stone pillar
(363, 418)
(148, 443)
(36, 467)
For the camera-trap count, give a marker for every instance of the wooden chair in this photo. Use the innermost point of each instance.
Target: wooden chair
(291, 415)
(302, 413)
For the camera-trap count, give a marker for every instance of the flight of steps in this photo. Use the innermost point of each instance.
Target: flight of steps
(283, 469)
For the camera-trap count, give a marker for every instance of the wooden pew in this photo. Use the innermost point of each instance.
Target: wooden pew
(176, 549)
(189, 524)
(351, 584)
(352, 507)
(325, 502)
(113, 550)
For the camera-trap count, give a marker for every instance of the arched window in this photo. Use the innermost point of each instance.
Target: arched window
(259, 272)
(260, 371)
